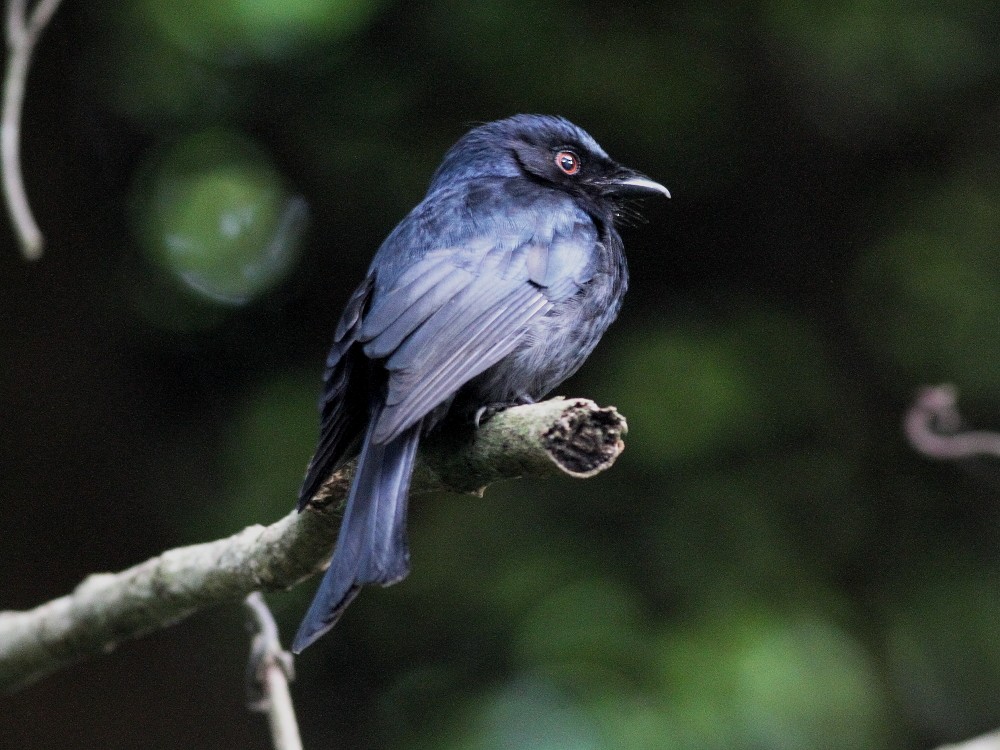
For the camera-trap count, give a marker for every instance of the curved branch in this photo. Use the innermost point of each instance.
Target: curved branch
(570, 437)
(932, 426)
(22, 36)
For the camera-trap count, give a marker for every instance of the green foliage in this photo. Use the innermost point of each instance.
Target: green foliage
(241, 30)
(587, 630)
(527, 714)
(941, 643)
(939, 266)
(864, 70)
(738, 678)
(693, 390)
(758, 679)
(268, 445)
(766, 548)
(563, 58)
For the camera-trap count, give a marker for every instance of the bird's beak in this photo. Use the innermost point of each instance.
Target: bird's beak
(633, 182)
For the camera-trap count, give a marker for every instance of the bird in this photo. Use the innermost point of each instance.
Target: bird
(493, 290)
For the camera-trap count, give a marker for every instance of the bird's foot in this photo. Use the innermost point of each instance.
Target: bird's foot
(486, 412)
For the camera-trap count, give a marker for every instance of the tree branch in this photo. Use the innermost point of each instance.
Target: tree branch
(269, 671)
(22, 35)
(932, 425)
(986, 742)
(571, 437)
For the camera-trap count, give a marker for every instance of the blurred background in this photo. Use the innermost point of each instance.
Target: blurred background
(768, 566)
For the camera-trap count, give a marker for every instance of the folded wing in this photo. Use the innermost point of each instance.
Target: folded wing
(459, 311)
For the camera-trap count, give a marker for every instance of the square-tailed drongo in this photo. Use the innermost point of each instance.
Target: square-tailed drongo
(491, 292)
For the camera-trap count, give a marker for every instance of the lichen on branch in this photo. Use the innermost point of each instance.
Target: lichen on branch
(572, 437)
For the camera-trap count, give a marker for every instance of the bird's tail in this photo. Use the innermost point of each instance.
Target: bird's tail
(371, 546)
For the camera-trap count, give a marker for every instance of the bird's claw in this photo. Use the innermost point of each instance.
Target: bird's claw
(486, 412)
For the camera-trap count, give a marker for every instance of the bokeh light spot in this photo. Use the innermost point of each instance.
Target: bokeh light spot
(215, 214)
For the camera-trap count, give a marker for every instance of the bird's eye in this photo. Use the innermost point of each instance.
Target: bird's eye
(568, 162)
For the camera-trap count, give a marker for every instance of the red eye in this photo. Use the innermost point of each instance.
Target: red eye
(568, 162)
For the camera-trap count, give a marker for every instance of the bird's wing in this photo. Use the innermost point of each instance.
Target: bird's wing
(458, 311)
(344, 403)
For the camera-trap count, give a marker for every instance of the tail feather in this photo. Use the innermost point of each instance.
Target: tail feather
(371, 545)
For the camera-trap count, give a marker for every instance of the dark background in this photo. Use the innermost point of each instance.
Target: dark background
(768, 566)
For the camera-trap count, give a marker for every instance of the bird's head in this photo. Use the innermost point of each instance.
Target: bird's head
(548, 150)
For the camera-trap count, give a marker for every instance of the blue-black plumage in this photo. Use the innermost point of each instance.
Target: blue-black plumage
(492, 291)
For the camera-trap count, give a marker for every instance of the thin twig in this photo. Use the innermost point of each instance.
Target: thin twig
(269, 671)
(932, 425)
(22, 36)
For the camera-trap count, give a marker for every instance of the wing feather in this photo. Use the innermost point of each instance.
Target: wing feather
(344, 399)
(408, 304)
(424, 286)
(458, 312)
(412, 394)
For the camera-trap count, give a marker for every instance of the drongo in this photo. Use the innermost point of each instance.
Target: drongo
(491, 292)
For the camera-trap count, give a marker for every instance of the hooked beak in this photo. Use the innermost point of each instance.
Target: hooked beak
(633, 182)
